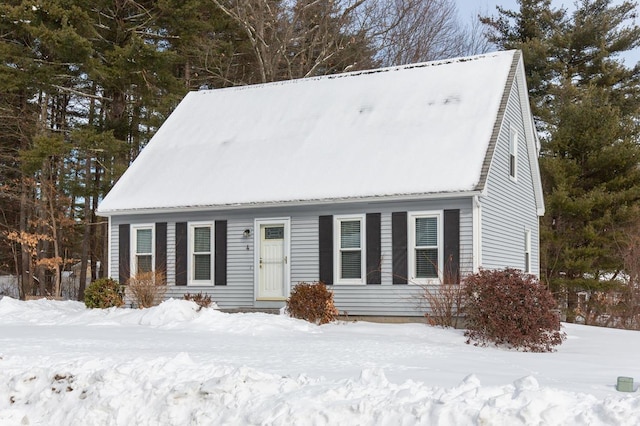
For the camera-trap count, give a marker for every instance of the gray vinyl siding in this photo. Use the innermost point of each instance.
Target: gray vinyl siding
(383, 299)
(114, 241)
(304, 248)
(239, 288)
(386, 249)
(171, 253)
(508, 207)
(466, 245)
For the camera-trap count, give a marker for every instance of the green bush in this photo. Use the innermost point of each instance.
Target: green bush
(103, 293)
(509, 308)
(312, 302)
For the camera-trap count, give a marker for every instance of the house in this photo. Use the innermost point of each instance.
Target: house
(375, 182)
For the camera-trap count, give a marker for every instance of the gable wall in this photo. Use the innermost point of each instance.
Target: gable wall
(509, 206)
(382, 299)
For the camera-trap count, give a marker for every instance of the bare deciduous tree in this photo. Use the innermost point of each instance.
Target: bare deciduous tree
(299, 38)
(410, 31)
(293, 39)
(417, 30)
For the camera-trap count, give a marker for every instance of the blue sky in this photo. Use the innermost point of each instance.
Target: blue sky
(468, 9)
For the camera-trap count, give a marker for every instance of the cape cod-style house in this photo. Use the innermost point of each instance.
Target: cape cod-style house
(374, 182)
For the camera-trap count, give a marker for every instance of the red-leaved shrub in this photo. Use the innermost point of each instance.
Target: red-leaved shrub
(509, 308)
(312, 302)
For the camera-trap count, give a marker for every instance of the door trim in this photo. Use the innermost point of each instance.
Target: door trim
(286, 222)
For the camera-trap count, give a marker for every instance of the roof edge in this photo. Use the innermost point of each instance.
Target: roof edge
(390, 198)
(393, 68)
(531, 135)
(486, 165)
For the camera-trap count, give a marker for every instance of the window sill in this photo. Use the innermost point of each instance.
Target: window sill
(424, 281)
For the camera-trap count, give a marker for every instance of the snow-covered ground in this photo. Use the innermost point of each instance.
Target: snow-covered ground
(63, 364)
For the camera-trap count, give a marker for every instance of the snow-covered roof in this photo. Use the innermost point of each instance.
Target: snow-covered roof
(400, 131)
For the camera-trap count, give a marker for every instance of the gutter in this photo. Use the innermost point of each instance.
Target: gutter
(297, 203)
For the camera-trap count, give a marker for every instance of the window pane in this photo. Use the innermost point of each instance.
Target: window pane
(144, 263)
(427, 263)
(143, 240)
(274, 233)
(202, 267)
(351, 264)
(426, 231)
(202, 239)
(350, 234)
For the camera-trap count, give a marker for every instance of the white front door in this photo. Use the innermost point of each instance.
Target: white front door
(272, 263)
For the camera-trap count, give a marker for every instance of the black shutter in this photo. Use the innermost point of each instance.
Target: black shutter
(451, 273)
(399, 243)
(373, 249)
(325, 243)
(124, 253)
(181, 253)
(161, 248)
(220, 252)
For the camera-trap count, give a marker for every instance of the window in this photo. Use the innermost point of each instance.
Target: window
(513, 152)
(527, 251)
(201, 259)
(143, 249)
(350, 252)
(425, 251)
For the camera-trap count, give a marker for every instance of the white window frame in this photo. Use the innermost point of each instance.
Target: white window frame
(411, 245)
(134, 242)
(337, 249)
(191, 253)
(513, 153)
(527, 251)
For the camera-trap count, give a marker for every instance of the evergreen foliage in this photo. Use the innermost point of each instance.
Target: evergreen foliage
(586, 103)
(84, 85)
(103, 293)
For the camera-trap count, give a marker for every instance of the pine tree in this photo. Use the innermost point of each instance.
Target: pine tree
(586, 104)
(40, 49)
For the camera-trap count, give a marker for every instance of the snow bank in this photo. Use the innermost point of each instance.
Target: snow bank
(61, 363)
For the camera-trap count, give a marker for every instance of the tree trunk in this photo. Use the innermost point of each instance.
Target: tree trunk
(26, 282)
(86, 238)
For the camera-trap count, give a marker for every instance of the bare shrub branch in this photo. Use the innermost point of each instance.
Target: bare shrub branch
(147, 288)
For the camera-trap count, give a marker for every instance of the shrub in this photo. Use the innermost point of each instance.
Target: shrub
(103, 293)
(445, 303)
(147, 288)
(203, 300)
(507, 307)
(312, 302)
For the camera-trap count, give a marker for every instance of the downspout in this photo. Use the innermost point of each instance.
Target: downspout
(477, 233)
(109, 247)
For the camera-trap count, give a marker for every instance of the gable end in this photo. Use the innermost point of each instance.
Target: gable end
(486, 165)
